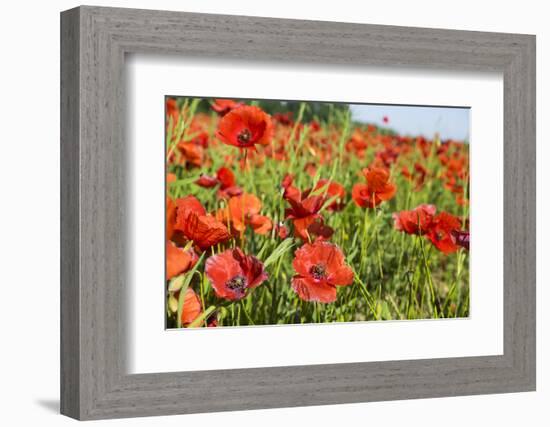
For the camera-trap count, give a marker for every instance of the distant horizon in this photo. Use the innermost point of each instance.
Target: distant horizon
(448, 122)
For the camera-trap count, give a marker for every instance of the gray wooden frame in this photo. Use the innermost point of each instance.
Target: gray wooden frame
(94, 42)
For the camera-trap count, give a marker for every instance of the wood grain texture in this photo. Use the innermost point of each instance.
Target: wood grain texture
(94, 267)
(70, 291)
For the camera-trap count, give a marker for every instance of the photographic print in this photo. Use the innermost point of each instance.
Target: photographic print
(301, 212)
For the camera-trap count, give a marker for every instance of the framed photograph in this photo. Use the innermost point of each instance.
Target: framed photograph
(261, 213)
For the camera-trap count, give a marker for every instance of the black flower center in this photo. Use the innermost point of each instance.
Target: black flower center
(244, 136)
(237, 283)
(318, 271)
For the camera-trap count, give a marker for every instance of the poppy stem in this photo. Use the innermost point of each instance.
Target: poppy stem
(202, 318)
(246, 314)
(376, 236)
(318, 312)
(367, 296)
(202, 284)
(435, 303)
(364, 243)
(410, 294)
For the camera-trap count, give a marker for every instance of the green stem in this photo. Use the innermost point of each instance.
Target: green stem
(199, 320)
(246, 314)
(429, 277)
(367, 296)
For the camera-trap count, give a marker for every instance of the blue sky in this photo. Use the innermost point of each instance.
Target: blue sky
(451, 123)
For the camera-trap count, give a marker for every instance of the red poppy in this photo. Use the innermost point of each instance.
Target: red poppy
(224, 106)
(225, 179)
(191, 153)
(260, 224)
(385, 119)
(332, 190)
(417, 221)
(232, 273)
(376, 190)
(178, 260)
(358, 143)
(417, 176)
(320, 267)
(289, 190)
(444, 225)
(461, 200)
(245, 127)
(170, 217)
(281, 230)
(170, 178)
(311, 168)
(387, 157)
(196, 225)
(304, 208)
(245, 210)
(192, 308)
(320, 230)
(206, 181)
(303, 212)
(228, 184)
(283, 118)
(314, 126)
(172, 112)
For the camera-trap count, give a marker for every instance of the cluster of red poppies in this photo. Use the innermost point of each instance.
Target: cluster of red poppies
(319, 265)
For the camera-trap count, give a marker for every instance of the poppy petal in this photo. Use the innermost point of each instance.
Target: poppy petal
(220, 269)
(170, 217)
(343, 276)
(261, 224)
(308, 290)
(177, 260)
(190, 203)
(191, 307)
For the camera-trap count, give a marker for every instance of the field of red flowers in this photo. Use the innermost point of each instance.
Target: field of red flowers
(291, 212)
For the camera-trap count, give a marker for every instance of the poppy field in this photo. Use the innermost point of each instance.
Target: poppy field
(296, 212)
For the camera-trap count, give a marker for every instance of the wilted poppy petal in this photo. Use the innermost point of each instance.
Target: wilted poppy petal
(204, 230)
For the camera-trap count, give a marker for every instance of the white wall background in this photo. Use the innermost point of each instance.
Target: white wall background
(29, 212)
